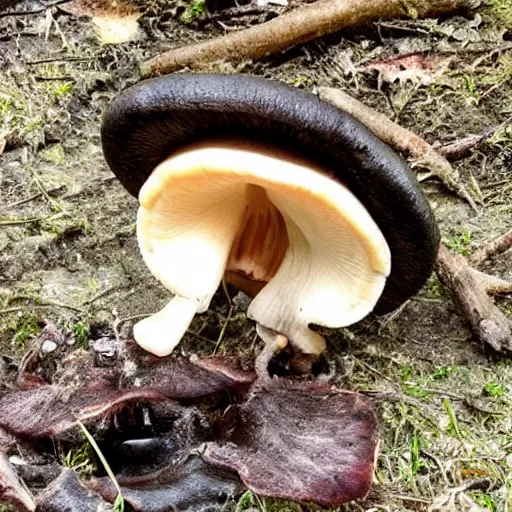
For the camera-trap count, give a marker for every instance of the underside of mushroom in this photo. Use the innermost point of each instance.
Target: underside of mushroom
(274, 225)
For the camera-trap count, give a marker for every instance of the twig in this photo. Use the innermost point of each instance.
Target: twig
(471, 291)
(402, 139)
(200, 337)
(20, 222)
(41, 305)
(38, 303)
(434, 459)
(35, 11)
(35, 196)
(40, 78)
(134, 317)
(408, 498)
(301, 25)
(497, 246)
(242, 10)
(53, 204)
(460, 148)
(23, 201)
(372, 369)
(58, 59)
(99, 295)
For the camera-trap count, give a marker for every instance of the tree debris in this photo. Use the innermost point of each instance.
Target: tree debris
(274, 432)
(301, 25)
(494, 248)
(471, 289)
(460, 148)
(402, 139)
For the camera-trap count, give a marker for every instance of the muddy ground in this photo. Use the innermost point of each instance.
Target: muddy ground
(68, 252)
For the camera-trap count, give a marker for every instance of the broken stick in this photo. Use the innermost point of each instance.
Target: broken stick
(498, 246)
(471, 289)
(400, 138)
(301, 25)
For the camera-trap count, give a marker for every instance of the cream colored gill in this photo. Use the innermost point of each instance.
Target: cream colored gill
(191, 210)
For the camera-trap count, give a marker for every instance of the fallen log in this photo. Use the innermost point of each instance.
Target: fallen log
(300, 25)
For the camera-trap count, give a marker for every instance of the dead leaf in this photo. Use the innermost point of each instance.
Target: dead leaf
(411, 67)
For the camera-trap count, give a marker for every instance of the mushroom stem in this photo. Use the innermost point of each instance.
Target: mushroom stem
(274, 342)
(161, 332)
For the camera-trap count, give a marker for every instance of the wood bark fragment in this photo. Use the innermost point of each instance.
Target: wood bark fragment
(45, 7)
(400, 138)
(301, 25)
(492, 249)
(460, 148)
(471, 290)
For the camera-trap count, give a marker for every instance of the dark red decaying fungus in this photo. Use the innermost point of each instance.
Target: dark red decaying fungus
(290, 439)
(306, 442)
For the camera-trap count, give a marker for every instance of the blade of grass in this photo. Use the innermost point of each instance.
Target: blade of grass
(230, 314)
(119, 502)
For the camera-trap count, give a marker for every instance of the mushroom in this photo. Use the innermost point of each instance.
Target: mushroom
(282, 195)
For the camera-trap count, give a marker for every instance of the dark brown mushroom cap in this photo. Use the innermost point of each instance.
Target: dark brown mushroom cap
(149, 121)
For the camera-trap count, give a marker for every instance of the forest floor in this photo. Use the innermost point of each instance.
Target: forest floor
(69, 255)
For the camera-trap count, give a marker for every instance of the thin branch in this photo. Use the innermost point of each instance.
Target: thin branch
(42, 305)
(58, 59)
(51, 193)
(434, 459)
(303, 24)
(497, 246)
(35, 11)
(402, 139)
(460, 148)
(21, 222)
(99, 295)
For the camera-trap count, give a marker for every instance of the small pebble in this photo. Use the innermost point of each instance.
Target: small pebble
(16, 460)
(105, 349)
(48, 346)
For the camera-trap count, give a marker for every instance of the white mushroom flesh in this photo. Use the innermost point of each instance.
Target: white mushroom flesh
(273, 225)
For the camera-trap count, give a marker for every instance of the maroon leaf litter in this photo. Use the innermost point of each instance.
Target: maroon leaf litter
(211, 428)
